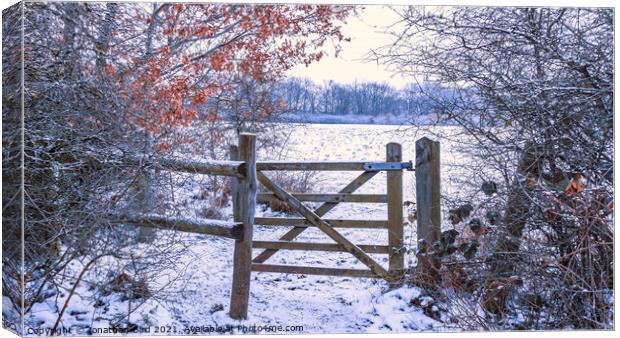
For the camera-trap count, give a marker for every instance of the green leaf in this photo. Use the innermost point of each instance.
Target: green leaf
(471, 250)
(448, 237)
(422, 247)
(489, 188)
(450, 249)
(475, 225)
(493, 216)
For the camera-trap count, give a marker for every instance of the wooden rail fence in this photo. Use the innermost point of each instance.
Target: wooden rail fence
(246, 173)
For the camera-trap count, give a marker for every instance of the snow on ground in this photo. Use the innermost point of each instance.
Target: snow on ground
(320, 304)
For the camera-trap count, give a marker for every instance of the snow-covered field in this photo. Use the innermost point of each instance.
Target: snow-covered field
(320, 304)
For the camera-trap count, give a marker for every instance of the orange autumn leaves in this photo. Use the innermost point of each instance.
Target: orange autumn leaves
(573, 195)
(575, 185)
(198, 50)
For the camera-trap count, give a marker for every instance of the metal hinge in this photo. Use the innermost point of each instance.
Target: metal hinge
(379, 166)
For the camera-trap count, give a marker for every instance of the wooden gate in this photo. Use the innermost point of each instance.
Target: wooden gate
(315, 218)
(246, 172)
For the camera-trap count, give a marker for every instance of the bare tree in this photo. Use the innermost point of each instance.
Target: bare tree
(105, 81)
(532, 90)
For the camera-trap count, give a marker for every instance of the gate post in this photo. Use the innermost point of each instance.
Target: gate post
(234, 187)
(428, 204)
(395, 214)
(244, 203)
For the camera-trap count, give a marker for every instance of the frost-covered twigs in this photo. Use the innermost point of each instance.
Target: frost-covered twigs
(72, 292)
(531, 91)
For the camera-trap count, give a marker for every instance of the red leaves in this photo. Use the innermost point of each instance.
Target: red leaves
(217, 63)
(318, 56)
(199, 98)
(198, 48)
(575, 186)
(551, 215)
(281, 104)
(205, 31)
(163, 146)
(109, 70)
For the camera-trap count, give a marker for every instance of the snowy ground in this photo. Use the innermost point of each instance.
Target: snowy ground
(319, 304)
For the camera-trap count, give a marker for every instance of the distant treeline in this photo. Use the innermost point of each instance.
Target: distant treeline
(371, 99)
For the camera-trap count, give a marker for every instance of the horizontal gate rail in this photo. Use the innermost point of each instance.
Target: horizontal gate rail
(333, 198)
(222, 168)
(199, 226)
(332, 166)
(320, 211)
(311, 270)
(336, 223)
(286, 245)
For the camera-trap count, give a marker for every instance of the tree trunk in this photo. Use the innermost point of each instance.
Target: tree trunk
(517, 212)
(146, 179)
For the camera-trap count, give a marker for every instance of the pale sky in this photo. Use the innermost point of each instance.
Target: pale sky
(365, 32)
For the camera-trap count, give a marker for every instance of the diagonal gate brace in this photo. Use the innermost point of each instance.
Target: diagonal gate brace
(320, 211)
(324, 226)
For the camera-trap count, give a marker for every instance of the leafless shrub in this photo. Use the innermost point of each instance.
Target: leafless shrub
(531, 91)
(294, 182)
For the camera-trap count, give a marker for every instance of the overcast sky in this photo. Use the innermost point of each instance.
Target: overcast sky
(365, 32)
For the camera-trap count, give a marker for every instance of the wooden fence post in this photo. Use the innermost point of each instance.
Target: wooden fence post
(428, 204)
(395, 213)
(245, 199)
